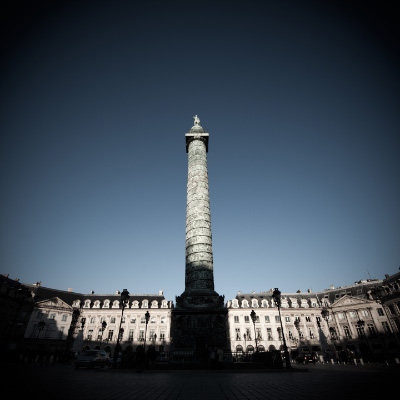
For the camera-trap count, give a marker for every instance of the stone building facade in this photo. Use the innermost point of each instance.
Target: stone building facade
(335, 324)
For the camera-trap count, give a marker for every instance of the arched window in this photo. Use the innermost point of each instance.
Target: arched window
(153, 320)
(135, 304)
(245, 304)
(164, 304)
(254, 303)
(115, 304)
(239, 349)
(145, 304)
(87, 304)
(261, 348)
(250, 349)
(264, 303)
(106, 304)
(96, 304)
(235, 303)
(163, 320)
(154, 304)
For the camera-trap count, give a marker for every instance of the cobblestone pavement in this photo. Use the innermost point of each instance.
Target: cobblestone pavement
(303, 382)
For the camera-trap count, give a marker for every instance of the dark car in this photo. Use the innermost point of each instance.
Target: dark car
(305, 358)
(92, 358)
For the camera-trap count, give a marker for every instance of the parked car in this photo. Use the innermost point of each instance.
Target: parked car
(306, 358)
(92, 358)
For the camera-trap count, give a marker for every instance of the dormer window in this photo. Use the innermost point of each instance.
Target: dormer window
(254, 303)
(235, 303)
(264, 303)
(135, 304)
(115, 304)
(96, 304)
(106, 304)
(87, 304)
(164, 304)
(245, 304)
(154, 304)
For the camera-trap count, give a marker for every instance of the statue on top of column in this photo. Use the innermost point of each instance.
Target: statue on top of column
(196, 120)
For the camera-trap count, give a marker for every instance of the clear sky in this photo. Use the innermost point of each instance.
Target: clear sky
(301, 99)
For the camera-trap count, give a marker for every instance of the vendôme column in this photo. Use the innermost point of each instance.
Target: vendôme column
(199, 276)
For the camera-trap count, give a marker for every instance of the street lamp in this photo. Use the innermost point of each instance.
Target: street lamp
(254, 318)
(103, 328)
(124, 302)
(41, 326)
(147, 317)
(276, 295)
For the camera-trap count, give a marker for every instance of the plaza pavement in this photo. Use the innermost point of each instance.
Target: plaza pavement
(320, 381)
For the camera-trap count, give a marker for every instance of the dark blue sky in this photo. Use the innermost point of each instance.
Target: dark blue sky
(301, 100)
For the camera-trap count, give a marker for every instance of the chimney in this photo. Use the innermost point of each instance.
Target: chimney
(160, 293)
(92, 292)
(69, 289)
(332, 287)
(117, 292)
(309, 291)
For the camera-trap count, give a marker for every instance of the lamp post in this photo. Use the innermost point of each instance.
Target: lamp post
(41, 326)
(254, 318)
(103, 328)
(147, 317)
(276, 295)
(245, 337)
(124, 301)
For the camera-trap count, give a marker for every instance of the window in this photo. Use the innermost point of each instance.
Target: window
(237, 333)
(391, 309)
(385, 326)
(269, 334)
(162, 334)
(52, 316)
(92, 320)
(163, 320)
(308, 318)
(64, 317)
(152, 332)
(279, 333)
(90, 334)
(290, 334)
(154, 304)
(353, 314)
(133, 320)
(245, 303)
(61, 332)
(164, 304)
(287, 318)
(145, 304)
(142, 319)
(347, 331)
(277, 319)
(112, 320)
(141, 334)
(360, 330)
(110, 334)
(297, 318)
(131, 335)
(380, 312)
(341, 316)
(248, 334)
(236, 318)
(371, 329)
(153, 320)
(266, 318)
(311, 334)
(254, 303)
(246, 318)
(123, 320)
(365, 313)
(258, 333)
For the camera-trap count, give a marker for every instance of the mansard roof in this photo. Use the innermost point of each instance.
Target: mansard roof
(44, 293)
